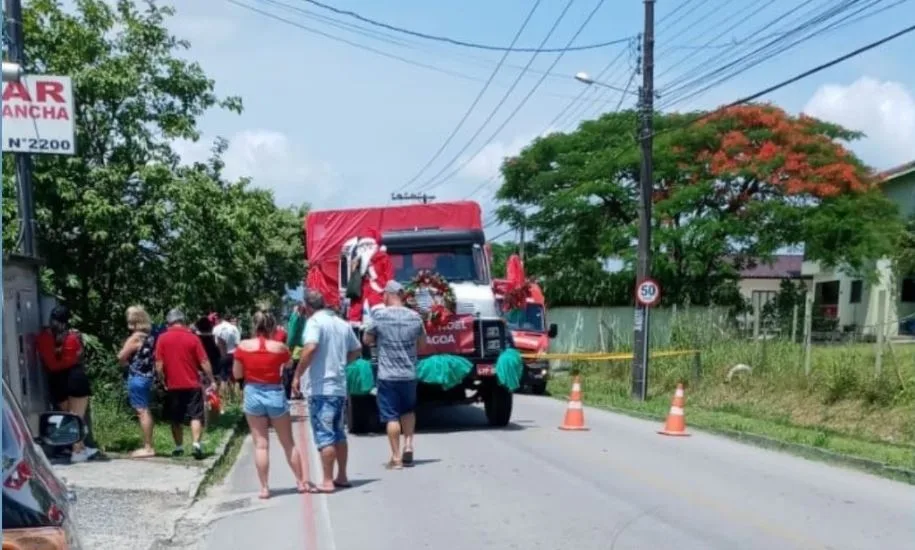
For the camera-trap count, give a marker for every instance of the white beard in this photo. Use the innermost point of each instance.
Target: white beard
(365, 250)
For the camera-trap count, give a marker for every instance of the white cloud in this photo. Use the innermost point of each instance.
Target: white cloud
(272, 161)
(487, 163)
(884, 111)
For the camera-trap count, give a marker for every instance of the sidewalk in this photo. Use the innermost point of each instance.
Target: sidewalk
(126, 503)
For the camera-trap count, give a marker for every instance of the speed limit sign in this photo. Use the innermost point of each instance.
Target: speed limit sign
(648, 293)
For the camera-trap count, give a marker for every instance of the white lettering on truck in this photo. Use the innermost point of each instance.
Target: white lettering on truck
(439, 339)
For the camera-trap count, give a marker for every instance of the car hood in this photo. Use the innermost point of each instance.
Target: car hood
(531, 342)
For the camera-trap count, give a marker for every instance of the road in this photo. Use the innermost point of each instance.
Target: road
(618, 486)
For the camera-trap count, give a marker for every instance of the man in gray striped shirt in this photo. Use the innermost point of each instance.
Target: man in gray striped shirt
(397, 331)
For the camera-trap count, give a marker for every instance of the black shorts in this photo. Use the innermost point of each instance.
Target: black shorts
(73, 382)
(182, 406)
(224, 368)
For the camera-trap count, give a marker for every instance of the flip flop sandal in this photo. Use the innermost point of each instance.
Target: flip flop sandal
(407, 458)
(343, 485)
(394, 465)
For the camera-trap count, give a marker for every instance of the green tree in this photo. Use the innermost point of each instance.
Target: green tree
(122, 221)
(500, 254)
(731, 189)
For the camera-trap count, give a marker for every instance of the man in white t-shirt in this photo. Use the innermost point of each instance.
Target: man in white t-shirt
(227, 337)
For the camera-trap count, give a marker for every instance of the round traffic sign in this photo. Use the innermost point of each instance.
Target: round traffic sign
(648, 292)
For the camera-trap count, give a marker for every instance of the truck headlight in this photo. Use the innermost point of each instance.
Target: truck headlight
(493, 344)
(493, 332)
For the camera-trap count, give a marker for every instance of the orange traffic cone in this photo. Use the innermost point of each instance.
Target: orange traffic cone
(676, 419)
(575, 412)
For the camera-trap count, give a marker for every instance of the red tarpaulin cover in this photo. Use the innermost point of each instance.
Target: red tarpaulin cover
(327, 230)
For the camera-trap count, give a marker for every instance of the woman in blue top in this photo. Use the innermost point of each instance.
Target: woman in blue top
(138, 355)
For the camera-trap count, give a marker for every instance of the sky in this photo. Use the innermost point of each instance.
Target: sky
(335, 125)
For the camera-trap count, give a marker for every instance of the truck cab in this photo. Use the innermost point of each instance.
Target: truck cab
(477, 331)
(531, 335)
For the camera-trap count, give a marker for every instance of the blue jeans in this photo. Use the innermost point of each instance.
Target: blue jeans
(395, 399)
(265, 400)
(139, 390)
(326, 413)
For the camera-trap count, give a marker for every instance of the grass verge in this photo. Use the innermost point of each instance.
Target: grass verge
(117, 430)
(841, 411)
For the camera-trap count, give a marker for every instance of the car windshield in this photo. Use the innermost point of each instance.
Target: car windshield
(530, 318)
(454, 264)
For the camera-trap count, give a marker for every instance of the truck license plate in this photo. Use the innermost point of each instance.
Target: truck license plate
(484, 370)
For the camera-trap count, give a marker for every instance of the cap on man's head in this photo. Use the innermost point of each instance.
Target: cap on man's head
(174, 316)
(393, 287)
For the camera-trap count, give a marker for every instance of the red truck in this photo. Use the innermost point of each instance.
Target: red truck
(531, 335)
(446, 238)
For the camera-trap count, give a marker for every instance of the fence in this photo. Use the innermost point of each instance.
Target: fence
(796, 343)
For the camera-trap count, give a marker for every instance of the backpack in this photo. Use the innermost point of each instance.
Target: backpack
(144, 360)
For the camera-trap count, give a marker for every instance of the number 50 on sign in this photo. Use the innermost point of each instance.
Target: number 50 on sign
(648, 293)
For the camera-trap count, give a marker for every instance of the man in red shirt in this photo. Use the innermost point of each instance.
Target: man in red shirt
(179, 359)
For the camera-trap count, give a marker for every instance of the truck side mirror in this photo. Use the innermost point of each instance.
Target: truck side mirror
(554, 330)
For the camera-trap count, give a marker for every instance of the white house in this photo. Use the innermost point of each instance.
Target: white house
(889, 301)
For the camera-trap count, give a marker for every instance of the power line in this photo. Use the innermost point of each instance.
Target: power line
(520, 105)
(504, 98)
(457, 42)
(397, 41)
(761, 53)
(779, 51)
(476, 100)
(376, 51)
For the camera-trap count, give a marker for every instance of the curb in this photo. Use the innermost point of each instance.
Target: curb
(218, 458)
(806, 451)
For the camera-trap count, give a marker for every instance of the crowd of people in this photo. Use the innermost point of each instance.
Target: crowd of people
(210, 357)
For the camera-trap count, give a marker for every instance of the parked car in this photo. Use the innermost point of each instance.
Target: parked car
(37, 504)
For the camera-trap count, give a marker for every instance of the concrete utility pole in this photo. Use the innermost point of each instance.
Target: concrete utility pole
(521, 240)
(16, 50)
(641, 331)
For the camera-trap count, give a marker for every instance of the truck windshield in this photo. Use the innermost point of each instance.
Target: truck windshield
(529, 318)
(463, 263)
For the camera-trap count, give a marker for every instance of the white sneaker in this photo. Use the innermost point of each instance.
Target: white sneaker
(83, 455)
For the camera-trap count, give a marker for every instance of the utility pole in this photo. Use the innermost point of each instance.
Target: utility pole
(640, 339)
(412, 197)
(521, 240)
(16, 51)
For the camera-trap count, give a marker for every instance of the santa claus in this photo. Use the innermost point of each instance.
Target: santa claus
(374, 269)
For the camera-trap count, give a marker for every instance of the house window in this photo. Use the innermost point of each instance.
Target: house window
(762, 297)
(857, 288)
(908, 291)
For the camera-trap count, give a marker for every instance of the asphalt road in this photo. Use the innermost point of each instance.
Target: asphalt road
(618, 486)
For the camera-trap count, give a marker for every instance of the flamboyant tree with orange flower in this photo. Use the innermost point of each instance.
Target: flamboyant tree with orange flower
(732, 187)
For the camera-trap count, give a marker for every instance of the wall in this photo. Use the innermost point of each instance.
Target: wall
(21, 323)
(610, 329)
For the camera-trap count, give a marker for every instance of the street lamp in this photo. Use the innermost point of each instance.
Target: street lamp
(12, 72)
(584, 78)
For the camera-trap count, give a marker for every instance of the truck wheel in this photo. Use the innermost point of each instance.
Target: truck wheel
(362, 411)
(498, 406)
(538, 388)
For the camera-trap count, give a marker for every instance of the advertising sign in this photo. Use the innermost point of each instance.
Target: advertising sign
(38, 115)
(455, 338)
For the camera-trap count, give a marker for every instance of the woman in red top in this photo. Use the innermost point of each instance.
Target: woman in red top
(260, 361)
(61, 351)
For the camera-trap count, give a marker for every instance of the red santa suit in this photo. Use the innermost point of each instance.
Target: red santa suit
(377, 271)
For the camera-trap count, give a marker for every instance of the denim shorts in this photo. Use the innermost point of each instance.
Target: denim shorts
(327, 419)
(139, 390)
(266, 400)
(395, 399)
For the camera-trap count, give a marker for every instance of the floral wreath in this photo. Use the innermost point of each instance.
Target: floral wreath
(516, 298)
(439, 314)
